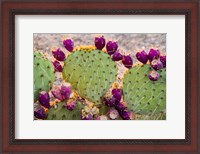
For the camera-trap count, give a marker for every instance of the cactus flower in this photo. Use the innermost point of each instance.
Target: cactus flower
(57, 66)
(154, 75)
(117, 56)
(153, 54)
(71, 104)
(66, 90)
(59, 54)
(127, 115)
(117, 94)
(102, 117)
(113, 114)
(156, 64)
(68, 44)
(142, 56)
(40, 114)
(100, 42)
(111, 46)
(44, 99)
(163, 60)
(127, 61)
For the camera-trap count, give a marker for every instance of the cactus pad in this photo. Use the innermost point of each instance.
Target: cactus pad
(91, 73)
(62, 113)
(43, 74)
(145, 97)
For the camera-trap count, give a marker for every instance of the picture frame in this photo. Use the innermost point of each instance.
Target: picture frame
(188, 8)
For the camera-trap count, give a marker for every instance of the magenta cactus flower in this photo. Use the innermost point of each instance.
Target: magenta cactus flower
(163, 60)
(71, 104)
(57, 66)
(40, 114)
(59, 55)
(154, 75)
(100, 42)
(44, 99)
(117, 56)
(156, 64)
(113, 114)
(153, 54)
(117, 94)
(66, 90)
(127, 61)
(142, 56)
(111, 47)
(68, 44)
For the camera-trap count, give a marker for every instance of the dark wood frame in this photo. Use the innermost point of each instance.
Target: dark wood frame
(189, 8)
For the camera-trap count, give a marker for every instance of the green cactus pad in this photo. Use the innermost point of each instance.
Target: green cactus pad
(91, 73)
(44, 75)
(62, 113)
(145, 97)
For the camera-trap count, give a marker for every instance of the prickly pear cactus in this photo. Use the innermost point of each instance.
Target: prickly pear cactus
(44, 75)
(145, 97)
(91, 73)
(62, 113)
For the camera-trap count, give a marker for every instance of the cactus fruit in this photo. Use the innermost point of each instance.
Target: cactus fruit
(154, 75)
(87, 117)
(69, 44)
(44, 75)
(58, 54)
(109, 100)
(117, 94)
(44, 99)
(100, 42)
(113, 114)
(60, 112)
(121, 106)
(89, 112)
(90, 73)
(127, 61)
(111, 47)
(156, 64)
(71, 104)
(57, 66)
(142, 56)
(153, 54)
(117, 56)
(142, 95)
(66, 90)
(40, 114)
(163, 60)
(62, 92)
(127, 115)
